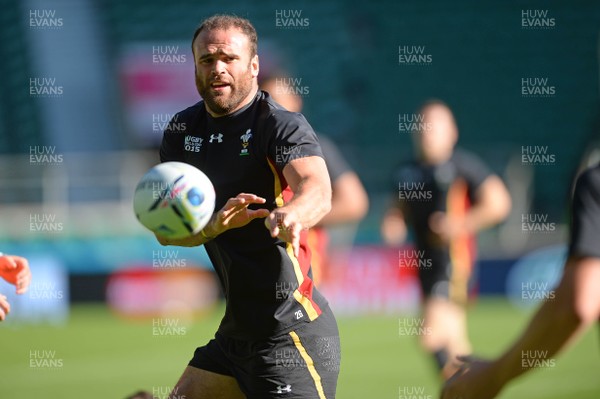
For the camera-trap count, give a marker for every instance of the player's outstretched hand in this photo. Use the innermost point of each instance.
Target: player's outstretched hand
(236, 214)
(285, 225)
(476, 379)
(232, 215)
(15, 270)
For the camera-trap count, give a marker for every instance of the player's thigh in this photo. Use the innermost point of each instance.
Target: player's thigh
(197, 383)
(301, 364)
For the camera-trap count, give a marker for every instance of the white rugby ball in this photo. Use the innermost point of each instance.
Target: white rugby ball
(174, 200)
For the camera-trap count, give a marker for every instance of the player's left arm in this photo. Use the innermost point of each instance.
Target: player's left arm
(349, 202)
(309, 180)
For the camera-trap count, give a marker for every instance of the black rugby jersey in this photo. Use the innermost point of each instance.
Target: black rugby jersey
(450, 187)
(585, 224)
(267, 289)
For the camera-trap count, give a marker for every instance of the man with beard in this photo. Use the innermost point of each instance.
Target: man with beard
(278, 337)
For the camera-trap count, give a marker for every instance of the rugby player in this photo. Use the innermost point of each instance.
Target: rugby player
(446, 195)
(278, 337)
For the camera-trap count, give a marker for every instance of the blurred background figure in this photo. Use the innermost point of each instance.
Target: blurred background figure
(446, 195)
(14, 270)
(349, 202)
(575, 308)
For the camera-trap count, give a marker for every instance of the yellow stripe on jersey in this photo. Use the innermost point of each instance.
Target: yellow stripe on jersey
(302, 300)
(277, 186)
(310, 365)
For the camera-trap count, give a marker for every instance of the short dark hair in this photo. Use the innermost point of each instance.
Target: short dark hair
(226, 21)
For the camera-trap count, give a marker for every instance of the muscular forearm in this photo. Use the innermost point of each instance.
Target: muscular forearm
(556, 323)
(544, 337)
(311, 201)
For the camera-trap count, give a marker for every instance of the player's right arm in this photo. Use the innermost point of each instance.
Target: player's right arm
(233, 215)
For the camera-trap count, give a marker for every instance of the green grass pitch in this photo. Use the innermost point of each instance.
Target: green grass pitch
(102, 356)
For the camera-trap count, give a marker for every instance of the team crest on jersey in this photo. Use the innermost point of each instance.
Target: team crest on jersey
(245, 142)
(192, 144)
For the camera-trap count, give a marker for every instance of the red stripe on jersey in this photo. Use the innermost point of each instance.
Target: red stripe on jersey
(283, 195)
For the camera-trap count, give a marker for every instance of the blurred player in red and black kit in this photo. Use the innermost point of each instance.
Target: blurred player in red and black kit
(446, 196)
(257, 239)
(575, 308)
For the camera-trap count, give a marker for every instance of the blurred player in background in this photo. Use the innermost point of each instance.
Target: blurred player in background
(257, 240)
(576, 304)
(349, 200)
(446, 195)
(14, 270)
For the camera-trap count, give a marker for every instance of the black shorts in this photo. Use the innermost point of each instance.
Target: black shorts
(303, 363)
(445, 278)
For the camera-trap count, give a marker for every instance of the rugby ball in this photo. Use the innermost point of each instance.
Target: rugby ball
(174, 200)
